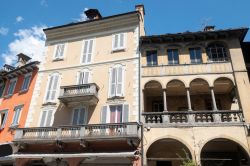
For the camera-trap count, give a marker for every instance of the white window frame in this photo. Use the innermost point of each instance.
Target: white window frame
(28, 84)
(110, 95)
(45, 100)
(3, 123)
(82, 51)
(119, 47)
(81, 71)
(15, 120)
(64, 51)
(52, 118)
(14, 87)
(109, 111)
(85, 118)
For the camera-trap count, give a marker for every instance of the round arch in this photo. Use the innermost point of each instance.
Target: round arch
(224, 151)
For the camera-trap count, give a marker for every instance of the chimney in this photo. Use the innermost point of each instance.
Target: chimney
(22, 59)
(208, 28)
(93, 14)
(141, 10)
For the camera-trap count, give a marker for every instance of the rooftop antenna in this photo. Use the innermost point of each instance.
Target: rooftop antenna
(205, 22)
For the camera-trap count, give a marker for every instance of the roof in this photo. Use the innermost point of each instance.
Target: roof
(239, 33)
(88, 21)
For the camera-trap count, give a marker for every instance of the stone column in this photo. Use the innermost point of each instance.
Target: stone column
(166, 116)
(190, 116)
(217, 117)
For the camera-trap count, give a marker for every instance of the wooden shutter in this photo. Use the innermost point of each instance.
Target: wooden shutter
(113, 82)
(104, 114)
(75, 116)
(42, 122)
(82, 116)
(86, 77)
(80, 78)
(121, 41)
(119, 81)
(125, 113)
(59, 50)
(49, 88)
(49, 117)
(115, 41)
(85, 51)
(90, 50)
(54, 87)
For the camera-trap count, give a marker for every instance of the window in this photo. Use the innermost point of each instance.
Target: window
(116, 81)
(3, 118)
(17, 112)
(173, 56)
(46, 118)
(79, 116)
(216, 52)
(195, 55)
(118, 42)
(83, 77)
(26, 82)
(52, 87)
(151, 58)
(11, 88)
(2, 86)
(59, 53)
(115, 113)
(87, 51)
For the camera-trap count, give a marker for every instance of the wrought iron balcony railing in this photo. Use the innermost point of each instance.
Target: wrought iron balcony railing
(83, 132)
(193, 117)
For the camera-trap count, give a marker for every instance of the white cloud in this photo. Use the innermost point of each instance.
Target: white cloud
(28, 41)
(4, 31)
(19, 19)
(83, 16)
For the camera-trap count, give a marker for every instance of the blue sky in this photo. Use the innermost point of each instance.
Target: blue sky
(22, 20)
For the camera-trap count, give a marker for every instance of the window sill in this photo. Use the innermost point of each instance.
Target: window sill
(57, 59)
(49, 103)
(23, 91)
(118, 50)
(8, 96)
(116, 97)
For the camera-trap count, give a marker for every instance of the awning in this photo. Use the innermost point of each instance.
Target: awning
(73, 155)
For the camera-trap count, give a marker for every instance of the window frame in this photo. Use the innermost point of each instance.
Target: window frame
(79, 74)
(3, 121)
(55, 58)
(45, 100)
(119, 46)
(14, 87)
(108, 112)
(122, 82)
(87, 53)
(152, 62)
(173, 61)
(46, 117)
(216, 46)
(78, 119)
(20, 108)
(28, 84)
(195, 51)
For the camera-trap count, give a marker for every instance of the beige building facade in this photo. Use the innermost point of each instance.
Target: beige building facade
(85, 108)
(195, 93)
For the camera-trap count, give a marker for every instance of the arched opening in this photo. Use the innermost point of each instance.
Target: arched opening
(223, 152)
(167, 152)
(153, 97)
(216, 52)
(176, 96)
(225, 94)
(200, 95)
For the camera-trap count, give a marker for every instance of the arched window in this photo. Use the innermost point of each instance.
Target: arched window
(216, 53)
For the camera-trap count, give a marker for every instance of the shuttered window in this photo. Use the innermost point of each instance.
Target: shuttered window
(116, 81)
(12, 86)
(17, 113)
(115, 113)
(118, 41)
(46, 119)
(87, 51)
(79, 116)
(26, 82)
(83, 77)
(3, 118)
(2, 85)
(60, 48)
(53, 85)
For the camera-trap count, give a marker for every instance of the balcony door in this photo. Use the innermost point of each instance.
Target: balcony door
(79, 116)
(116, 114)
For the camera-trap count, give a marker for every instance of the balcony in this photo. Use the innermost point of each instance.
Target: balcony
(84, 93)
(181, 69)
(91, 132)
(175, 118)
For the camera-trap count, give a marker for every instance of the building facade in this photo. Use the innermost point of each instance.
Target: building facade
(195, 98)
(85, 107)
(16, 89)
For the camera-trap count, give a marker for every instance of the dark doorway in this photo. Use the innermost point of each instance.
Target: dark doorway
(163, 163)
